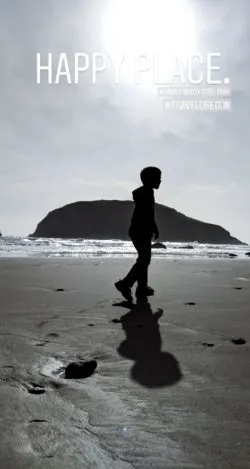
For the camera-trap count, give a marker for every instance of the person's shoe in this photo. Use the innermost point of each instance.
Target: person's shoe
(124, 290)
(150, 291)
(144, 292)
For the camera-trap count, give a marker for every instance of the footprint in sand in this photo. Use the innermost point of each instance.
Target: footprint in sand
(8, 367)
(42, 323)
(34, 388)
(56, 385)
(37, 421)
(31, 387)
(43, 437)
(7, 373)
(101, 302)
(41, 344)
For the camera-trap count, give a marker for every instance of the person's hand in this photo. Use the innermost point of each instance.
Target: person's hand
(158, 314)
(156, 233)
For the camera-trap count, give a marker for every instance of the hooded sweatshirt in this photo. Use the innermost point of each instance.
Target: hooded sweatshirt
(142, 222)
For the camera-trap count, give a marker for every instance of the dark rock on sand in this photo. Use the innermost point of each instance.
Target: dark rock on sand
(110, 219)
(188, 247)
(158, 246)
(76, 370)
(231, 254)
(247, 254)
(239, 341)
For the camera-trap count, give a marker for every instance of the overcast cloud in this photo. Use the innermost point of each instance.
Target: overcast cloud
(63, 143)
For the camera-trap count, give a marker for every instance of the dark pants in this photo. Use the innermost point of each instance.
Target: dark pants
(139, 271)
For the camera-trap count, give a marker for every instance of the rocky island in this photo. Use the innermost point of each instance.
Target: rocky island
(109, 219)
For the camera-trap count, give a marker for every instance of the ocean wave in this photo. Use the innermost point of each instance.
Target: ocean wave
(14, 246)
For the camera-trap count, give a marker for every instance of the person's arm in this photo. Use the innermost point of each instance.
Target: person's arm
(155, 231)
(155, 227)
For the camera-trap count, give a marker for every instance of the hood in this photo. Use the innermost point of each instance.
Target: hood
(142, 193)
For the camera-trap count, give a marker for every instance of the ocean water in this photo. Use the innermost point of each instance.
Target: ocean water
(13, 246)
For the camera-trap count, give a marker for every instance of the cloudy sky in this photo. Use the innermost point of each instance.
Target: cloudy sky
(65, 142)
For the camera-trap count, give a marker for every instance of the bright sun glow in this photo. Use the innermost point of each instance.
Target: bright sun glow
(149, 27)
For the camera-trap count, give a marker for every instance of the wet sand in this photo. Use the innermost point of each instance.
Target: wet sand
(171, 387)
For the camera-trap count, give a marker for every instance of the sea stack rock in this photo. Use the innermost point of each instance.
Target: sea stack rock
(158, 246)
(110, 219)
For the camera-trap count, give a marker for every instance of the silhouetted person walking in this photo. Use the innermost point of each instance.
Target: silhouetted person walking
(141, 231)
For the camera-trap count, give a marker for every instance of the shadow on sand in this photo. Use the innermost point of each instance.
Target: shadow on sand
(152, 368)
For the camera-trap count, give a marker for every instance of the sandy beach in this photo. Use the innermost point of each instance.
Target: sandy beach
(171, 387)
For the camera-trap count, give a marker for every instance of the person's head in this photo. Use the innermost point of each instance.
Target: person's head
(151, 177)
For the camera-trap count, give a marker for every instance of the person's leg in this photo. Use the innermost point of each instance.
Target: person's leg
(132, 276)
(139, 271)
(124, 286)
(143, 261)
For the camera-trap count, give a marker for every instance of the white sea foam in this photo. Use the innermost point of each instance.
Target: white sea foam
(82, 248)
